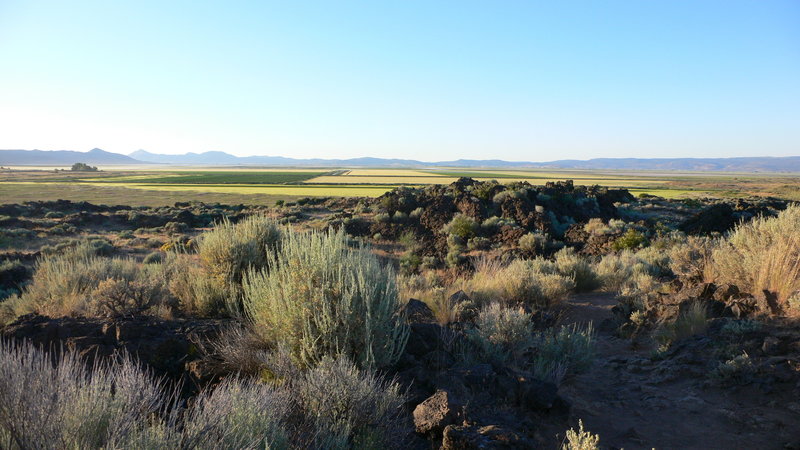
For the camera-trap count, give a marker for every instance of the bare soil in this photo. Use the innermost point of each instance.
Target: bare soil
(634, 401)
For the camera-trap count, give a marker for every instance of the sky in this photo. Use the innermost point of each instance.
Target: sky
(426, 80)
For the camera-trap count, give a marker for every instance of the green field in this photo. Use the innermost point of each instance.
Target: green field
(267, 185)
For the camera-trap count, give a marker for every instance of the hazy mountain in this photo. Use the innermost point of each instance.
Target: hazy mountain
(188, 158)
(742, 164)
(747, 164)
(97, 156)
(62, 157)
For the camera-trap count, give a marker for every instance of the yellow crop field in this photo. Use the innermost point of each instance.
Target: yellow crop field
(388, 173)
(376, 179)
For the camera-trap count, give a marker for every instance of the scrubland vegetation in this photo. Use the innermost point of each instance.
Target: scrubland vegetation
(420, 318)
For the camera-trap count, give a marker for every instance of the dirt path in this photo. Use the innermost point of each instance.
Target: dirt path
(634, 402)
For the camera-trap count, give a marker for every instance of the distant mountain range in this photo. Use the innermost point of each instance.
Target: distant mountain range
(62, 157)
(102, 157)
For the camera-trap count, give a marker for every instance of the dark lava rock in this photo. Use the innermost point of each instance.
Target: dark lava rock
(435, 413)
(13, 276)
(485, 437)
(716, 218)
(424, 338)
(165, 346)
(417, 311)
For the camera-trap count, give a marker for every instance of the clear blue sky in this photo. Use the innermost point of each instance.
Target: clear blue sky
(428, 80)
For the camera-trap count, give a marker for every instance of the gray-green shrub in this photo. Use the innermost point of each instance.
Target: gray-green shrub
(321, 297)
(68, 405)
(502, 334)
(57, 401)
(562, 351)
(351, 408)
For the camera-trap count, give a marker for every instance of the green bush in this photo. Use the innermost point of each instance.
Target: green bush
(321, 298)
(506, 336)
(462, 226)
(153, 257)
(127, 234)
(479, 243)
(237, 413)
(738, 370)
(616, 272)
(101, 247)
(630, 240)
(351, 408)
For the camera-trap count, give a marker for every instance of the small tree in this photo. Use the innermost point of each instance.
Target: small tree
(83, 167)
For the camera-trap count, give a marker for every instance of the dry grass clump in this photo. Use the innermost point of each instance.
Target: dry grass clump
(692, 259)
(596, 226)
(209, 283)
(619, 271)
(237, 349)
(763, 254)
(691, 321)
(581, 439)
(534, 282)
(569, 263)
(694, 320)
(320, 297)
(77, 282)
(196, 292)
(228, 250)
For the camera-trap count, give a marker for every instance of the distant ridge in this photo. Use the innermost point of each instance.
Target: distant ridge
(97, 156)
(62, 157)
(740, 164)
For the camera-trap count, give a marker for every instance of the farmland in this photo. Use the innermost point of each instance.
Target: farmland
(149, 187)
